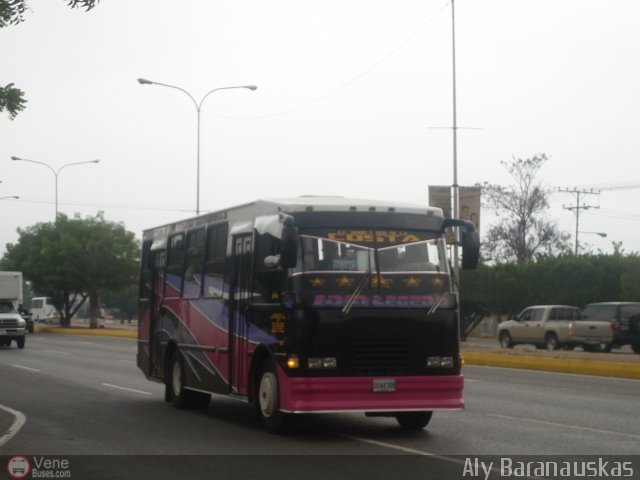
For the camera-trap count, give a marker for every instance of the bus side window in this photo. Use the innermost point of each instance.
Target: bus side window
(194, 264)
(145, 271)
(215, 259)
(175, 264)
(267, 281)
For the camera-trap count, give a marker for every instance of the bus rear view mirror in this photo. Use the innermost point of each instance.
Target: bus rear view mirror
(470, 241)
(470, 249)
(289, 240)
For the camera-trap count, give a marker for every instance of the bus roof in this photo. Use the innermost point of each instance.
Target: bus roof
(306, 203)
(345, 204)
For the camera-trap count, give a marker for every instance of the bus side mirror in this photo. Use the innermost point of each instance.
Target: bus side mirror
(289, 240)
(470, 249)
(470, 241)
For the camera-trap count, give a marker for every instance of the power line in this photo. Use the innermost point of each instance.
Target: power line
(345, 84)
(577, 192)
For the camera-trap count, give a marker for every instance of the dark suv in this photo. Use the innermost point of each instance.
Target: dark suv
(624, 318)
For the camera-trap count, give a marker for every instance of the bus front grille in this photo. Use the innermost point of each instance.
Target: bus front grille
(382, 354)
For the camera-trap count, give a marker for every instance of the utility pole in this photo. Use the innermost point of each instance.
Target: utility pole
(577, 192)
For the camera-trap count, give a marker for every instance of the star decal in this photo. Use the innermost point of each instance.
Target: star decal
(317, 282)
(412, 282)
(437, 282)
(380, 282)
(344, 281)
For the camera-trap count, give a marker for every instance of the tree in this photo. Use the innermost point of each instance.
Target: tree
(11, 13)
(71, 260)
(523, 233)
(631, 280)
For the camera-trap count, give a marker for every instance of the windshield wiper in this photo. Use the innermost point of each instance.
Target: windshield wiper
(354, 295)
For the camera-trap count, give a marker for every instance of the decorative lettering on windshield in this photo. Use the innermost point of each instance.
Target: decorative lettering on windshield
(380, 237)
(377, 300)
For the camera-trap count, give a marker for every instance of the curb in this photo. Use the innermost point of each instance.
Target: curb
(94, 332)
(558, 365)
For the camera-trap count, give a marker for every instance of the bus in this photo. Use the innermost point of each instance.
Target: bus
(306, 305)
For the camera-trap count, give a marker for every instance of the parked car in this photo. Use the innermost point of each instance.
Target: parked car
(553, 327)
(624, 318)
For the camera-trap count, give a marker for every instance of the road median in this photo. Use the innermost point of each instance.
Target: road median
(97, 332)
(566, 364)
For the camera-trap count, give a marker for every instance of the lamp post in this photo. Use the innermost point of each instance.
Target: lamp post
(54, 171)
(10, 196)
(198, 105)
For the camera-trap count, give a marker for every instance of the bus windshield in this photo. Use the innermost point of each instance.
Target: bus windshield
(320, 254)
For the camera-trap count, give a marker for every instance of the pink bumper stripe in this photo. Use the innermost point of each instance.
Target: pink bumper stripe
(309, 394)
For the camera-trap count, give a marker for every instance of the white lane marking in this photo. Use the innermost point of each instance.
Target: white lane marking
(118, 387)
(564, 425)
(392, 446)
(413, 451)
(58, 352)
(19, 421)
(25, 368)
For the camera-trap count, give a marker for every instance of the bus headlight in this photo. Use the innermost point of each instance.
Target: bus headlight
(440, 362)
(322, 362)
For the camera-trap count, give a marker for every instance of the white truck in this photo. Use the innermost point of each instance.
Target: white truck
(12, 326)
(553, 327)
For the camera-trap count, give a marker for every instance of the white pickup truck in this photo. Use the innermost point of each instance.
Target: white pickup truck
(12, 326)
(553, 327)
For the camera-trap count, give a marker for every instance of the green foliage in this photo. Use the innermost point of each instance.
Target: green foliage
(12, 100)
(523, 232)
(506, 288)
(12, 13)
(631, 280)
(74, 259)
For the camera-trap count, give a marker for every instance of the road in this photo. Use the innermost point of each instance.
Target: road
(85, 396)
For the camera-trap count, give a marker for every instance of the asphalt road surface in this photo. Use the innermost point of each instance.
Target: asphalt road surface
(67, 395)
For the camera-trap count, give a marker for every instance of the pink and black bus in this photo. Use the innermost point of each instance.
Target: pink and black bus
(306, 305)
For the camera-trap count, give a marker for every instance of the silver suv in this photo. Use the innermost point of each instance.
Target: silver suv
(624, 318)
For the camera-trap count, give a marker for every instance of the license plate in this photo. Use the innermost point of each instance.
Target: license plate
(384, 385)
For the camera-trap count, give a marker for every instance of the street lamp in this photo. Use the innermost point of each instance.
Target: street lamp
(600, 234)
(198, 105)
(55, 172)
(10, 196)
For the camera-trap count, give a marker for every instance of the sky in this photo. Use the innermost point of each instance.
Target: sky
(354, 98)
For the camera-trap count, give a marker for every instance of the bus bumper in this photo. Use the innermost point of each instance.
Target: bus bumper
(347, 394)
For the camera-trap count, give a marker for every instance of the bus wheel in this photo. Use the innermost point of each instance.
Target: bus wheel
(413, 420)
(180, 396)
(269, 402)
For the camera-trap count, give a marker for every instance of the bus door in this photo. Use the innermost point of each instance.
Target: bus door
(157, 285)
(239, 312)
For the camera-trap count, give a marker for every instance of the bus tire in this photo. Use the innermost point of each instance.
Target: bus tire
(268, 402)
(413, 421)
(180, 396)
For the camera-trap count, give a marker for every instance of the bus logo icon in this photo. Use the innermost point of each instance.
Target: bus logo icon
(18, 467)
